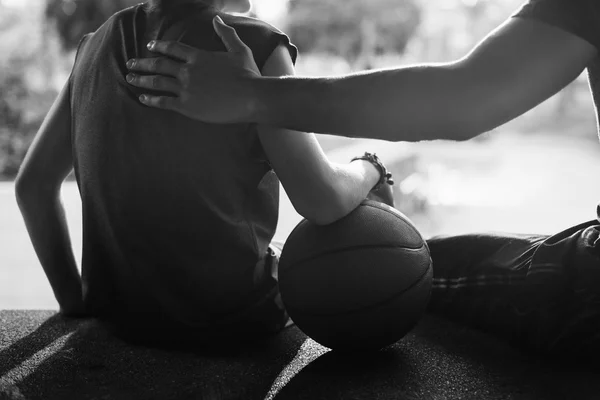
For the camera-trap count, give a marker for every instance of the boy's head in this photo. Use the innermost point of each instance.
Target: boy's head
(235, 6)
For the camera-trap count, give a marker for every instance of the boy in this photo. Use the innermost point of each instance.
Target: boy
(178, 215)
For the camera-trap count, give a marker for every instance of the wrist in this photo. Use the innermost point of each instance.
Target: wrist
(383, 176)
(371, 172)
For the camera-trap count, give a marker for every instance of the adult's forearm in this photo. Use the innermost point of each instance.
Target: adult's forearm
(406, 104)
(46, 223)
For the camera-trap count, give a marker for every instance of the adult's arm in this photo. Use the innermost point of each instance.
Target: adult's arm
(519, 65)
(320, 191)
(46, 165)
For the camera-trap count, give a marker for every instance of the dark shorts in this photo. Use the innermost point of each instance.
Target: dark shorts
(539, 292)
(265, 315)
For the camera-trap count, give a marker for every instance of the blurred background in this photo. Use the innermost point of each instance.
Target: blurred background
(532, 175)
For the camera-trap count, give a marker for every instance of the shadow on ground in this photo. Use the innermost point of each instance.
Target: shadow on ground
(43, 356)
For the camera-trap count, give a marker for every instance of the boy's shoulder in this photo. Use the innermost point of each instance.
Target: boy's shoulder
(118, 18)
(124, 14)
(250, 22)
(259, 35)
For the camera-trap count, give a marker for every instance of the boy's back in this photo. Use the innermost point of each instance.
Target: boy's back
(177, 215)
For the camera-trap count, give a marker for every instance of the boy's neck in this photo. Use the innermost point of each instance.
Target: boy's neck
(217, 4)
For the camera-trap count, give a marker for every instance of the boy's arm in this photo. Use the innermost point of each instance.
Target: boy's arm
(519, 65)
(46, 165)
(320, 191)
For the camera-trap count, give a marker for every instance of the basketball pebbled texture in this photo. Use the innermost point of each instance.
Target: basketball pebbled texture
(360, 283)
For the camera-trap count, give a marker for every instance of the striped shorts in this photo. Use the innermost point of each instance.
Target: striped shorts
(539, 292)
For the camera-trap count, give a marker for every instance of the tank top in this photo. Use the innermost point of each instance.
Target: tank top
(177, 214)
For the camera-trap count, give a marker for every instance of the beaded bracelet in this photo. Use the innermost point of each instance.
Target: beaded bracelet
(386, 177)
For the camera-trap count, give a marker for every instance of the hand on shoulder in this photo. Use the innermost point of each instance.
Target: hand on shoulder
(213, 87)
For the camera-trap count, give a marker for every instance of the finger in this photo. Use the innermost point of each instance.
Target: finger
(158, 65)
(155, 82)
(163, 102)
(172, 49)
(229, 36)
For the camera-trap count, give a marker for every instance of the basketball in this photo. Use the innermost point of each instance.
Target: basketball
(360, 283)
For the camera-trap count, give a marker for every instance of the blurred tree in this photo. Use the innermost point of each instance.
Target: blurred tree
(75, 18)
(354, 29)
(13, 129)
(22, 104)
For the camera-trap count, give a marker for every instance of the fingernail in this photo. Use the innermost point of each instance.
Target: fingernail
(130, 63)
(129, 77)
(151, 44)
(143, 98)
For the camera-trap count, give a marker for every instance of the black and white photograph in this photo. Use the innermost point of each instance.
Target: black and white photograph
(299, 199)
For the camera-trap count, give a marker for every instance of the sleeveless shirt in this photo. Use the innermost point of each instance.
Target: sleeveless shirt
(177, 214)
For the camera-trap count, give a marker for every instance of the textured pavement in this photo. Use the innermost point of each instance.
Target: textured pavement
(43, 356)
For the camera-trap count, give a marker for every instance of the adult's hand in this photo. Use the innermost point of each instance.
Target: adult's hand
(203, 85)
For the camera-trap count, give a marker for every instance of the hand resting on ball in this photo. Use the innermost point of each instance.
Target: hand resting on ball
(384, 194)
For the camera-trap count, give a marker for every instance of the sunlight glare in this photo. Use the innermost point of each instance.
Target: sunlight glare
(14, 3)
(270, 10)
(13, 377)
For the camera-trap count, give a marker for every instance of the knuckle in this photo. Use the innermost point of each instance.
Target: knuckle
(154, 65)
(184, 75)
(245, 50)
(183, 97)
(163, 102)
(154, 82)
(174, 86)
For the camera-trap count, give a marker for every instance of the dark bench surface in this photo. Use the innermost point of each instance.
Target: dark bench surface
(43, 356)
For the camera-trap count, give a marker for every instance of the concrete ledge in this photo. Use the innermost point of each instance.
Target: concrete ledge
(43, 356)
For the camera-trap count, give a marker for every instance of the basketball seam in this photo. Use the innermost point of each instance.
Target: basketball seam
(359, 247)
(371, 306)
(377, 205)
(401, 216)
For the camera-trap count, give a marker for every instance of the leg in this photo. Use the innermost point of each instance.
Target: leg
(537, 291)
(477, 279)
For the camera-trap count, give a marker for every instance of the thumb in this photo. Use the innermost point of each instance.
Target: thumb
(229, 36)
